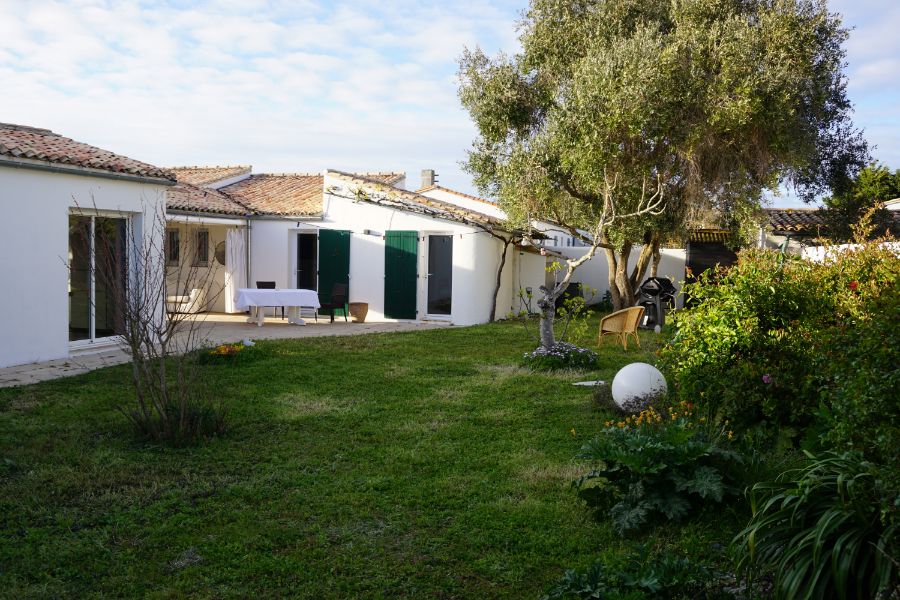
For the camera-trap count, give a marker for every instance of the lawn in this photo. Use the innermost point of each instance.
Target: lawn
(423, 464)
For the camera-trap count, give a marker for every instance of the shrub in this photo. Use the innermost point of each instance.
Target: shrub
(828, 530)
(751, 349)
(652, 466)
(562, 355)
(635, 576)
(860, 382)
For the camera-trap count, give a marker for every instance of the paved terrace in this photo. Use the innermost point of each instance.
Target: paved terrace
(216, 329)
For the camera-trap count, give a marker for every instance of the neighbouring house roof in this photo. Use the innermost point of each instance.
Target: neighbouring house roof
(290, 194)
(415, 202)
(23, 142)
(191, 198)
(707, 236)
(205, 176)
(795, 221)
(461, 194)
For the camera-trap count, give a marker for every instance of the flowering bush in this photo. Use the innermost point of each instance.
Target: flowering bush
(658, 464)
(562, 355)
(763, 341)
(226, 349)
(228, 353)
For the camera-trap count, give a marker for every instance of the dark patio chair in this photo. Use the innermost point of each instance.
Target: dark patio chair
(338, 301)
(269, 285)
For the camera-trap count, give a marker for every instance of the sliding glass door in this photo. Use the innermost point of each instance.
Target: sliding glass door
(97, 276)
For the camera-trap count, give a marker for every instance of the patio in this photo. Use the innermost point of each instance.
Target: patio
(215, 328)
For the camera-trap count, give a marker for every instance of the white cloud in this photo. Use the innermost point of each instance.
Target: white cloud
(283, 85)
(290, 85)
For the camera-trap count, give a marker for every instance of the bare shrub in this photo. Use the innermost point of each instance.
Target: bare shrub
(172, 403)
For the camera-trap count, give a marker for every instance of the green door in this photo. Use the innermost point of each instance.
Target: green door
(400, 274)
(334, 261)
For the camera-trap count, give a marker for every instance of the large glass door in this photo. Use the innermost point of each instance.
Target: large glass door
(307, 261)
(80, 326)
(97, 276)
(440, 274)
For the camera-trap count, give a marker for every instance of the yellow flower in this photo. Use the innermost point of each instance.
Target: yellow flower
(573, 431)
(730, 435)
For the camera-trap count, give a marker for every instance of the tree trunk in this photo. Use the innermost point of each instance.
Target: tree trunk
(611, 265)
(622, 286)
(548, 314)
(506, 244)
(657, 257)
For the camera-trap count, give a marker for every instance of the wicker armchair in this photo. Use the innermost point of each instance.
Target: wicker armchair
(621, 324)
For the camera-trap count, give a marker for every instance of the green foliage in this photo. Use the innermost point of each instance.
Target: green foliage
(635, 576)
(650, 467)
(863, 384)
(605, 304)
(828, 530)
(562, 355)
(767, 343)
(870, 187)
(602, 106)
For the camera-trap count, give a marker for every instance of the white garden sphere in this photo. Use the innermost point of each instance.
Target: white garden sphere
(638, 381)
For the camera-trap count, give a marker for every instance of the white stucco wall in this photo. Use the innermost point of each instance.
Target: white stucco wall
(34, 311)
(595, 273)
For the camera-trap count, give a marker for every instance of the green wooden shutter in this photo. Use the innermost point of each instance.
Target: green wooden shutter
(401, 257)
(334, 261)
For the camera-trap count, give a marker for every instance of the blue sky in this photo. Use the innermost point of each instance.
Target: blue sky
(292, 86)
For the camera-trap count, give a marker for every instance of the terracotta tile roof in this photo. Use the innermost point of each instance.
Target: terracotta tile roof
(461, 194)
(709, 235)
(191, 198)
(804, 221)
(204, 176)
(20, 141)
(290, 194)
(415, 202)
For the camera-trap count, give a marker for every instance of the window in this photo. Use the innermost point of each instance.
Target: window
(173, 247)
(201, 258)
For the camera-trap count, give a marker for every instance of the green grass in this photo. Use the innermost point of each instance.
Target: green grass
(423, 464)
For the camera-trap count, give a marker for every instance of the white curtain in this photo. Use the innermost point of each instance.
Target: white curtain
(235, 266)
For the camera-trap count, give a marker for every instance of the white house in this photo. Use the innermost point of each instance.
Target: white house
(406, 255)
(54, 301)
(416, 257)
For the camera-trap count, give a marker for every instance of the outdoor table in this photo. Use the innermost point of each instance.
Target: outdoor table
(291, 298)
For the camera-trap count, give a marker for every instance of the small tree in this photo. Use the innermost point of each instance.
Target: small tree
(862, 195)
(623, 107)
(170, 404)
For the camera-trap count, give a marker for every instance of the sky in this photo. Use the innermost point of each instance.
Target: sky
(304, 85)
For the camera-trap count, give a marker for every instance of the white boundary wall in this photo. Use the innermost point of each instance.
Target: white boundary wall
(595, 273)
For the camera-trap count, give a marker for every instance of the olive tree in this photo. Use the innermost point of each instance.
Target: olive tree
(627, 121)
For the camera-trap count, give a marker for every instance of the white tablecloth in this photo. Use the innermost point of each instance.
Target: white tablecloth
(247, 297)
(293, 299)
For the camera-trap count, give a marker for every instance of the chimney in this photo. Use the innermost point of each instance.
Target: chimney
(429, 178)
